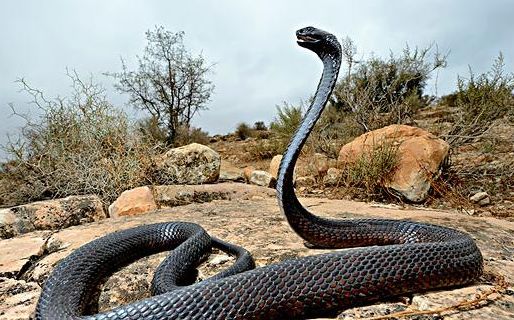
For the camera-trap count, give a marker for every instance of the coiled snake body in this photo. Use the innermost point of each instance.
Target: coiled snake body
(411, 257)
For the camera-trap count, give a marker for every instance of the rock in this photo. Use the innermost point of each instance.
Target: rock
(304, 182)
(376, 310)
(143, 199)
(190, 164)
(217, 259)
(18, 298)
(420, 157)
(178, 195)
(332, 177)
(229, 172)
(133, 202)
(247, 173)
(275, 165)
(262, 178)
(50, 215)
(11, 225)
(481, 198)
(484, 202)
(259, 226)
(17, 253)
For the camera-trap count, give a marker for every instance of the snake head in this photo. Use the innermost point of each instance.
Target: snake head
(317, 40)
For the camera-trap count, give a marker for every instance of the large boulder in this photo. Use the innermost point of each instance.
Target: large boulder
(50, 215)
(420, 157)
(133, 202)
(190, 164)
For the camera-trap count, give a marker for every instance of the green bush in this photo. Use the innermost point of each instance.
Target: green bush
(481, 100)
(79, 145)
(284, 125)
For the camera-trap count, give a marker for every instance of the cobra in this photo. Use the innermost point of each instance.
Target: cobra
(394, 258)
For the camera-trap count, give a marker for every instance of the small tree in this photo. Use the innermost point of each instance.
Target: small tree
(381, 92)
(170, 83)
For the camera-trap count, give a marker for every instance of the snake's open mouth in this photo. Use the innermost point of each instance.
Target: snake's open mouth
(305, 39)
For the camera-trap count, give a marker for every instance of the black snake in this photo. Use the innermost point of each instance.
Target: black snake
(411, 257)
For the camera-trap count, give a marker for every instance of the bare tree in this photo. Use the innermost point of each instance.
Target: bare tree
(170, 83)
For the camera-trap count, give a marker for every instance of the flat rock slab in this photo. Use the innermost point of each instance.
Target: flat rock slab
(16, 253)
(258, 225)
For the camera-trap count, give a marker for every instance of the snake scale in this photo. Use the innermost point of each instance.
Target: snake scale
(396, 257)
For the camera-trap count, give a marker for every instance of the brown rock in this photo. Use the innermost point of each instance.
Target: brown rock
(332, 177)
(17, 252)
(133, 202)
(275, 165)
(247, 173)
(179, 195)
(229, 172)
(11, 225)
(262, 178)
(190, 164)
(304, 182)
(50, 215)
(420, 157)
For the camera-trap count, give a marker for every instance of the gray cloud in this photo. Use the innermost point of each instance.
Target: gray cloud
(258, 64)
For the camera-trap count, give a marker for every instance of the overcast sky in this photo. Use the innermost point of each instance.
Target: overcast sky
(257, 62)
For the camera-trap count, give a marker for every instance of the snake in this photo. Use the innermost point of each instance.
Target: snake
(382, 259)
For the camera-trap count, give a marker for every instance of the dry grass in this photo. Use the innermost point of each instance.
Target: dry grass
(370, 172)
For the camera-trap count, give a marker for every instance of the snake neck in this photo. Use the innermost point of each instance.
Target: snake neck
(300, 219)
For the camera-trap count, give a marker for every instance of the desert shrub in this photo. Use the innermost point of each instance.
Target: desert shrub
(244, 131)
(449, 100)
(260, 126)
(151, 131)
(334, 129)
(287, 120)
(372, 169)
(79, 144)
(265, 149)
(185, 135)
(481, 100)
(285, 124)
(381, 92)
